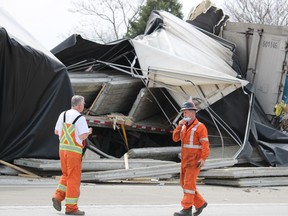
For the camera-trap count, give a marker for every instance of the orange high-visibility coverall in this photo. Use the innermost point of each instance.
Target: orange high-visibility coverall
(71, 165)
(194, 146)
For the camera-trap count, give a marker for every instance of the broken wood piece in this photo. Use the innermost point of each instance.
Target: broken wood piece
(119, 118)
(18, 168)
(28, 176)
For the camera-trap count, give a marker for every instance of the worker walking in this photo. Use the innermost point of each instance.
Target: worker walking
(194, 151)
(72, 129)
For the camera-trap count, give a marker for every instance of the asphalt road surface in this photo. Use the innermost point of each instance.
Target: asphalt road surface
(24, 197)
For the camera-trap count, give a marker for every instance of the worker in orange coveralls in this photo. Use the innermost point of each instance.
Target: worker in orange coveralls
(72, 129)
(194, 151)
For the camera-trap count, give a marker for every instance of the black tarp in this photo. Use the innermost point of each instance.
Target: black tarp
(75, 50)
(35, 88)
(212, 20)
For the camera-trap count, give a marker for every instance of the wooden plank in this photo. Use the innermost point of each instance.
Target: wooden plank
(4, 170)
(249, 182)
(18, 168)
(95, 100)
(28, 176)
(119, 118)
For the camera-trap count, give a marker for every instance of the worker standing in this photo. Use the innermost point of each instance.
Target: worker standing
(72, 129)
(194, 151)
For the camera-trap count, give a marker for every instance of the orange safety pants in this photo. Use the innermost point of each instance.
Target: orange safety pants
(69, 183)
(188, 178)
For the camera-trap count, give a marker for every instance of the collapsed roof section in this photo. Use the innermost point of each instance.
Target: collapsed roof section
(177, 55)
(190, 64)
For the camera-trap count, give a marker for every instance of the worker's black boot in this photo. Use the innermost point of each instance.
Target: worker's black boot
(184, 212)
(78, 212)
(199, 210)
(56, 204)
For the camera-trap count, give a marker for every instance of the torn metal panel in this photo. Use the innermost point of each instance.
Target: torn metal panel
(151, 102)
(86, 88)
(145, 105)
(89, 84)
(117, 96)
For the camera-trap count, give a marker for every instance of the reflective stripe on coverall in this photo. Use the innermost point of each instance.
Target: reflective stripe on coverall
(194, 146)
(71, 166)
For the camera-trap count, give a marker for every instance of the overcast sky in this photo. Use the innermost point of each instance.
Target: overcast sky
(50, 22)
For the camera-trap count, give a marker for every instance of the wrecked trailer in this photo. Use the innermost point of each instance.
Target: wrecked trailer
(171, 67)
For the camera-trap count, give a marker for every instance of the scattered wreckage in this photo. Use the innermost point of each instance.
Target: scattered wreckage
(134, 88)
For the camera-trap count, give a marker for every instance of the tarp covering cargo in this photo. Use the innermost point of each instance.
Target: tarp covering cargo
(35, 88)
